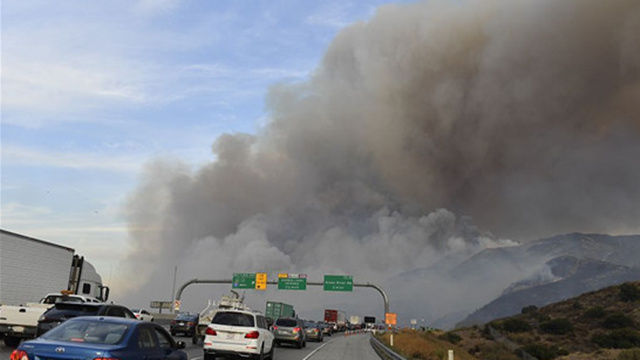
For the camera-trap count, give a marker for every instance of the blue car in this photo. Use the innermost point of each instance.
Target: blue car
(91, 337)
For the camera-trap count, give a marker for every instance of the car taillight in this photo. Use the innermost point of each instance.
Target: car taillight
(191, 323)
(274, 327)
(19, 355)
(252, 335)
(211, 332)
(173, 322)
(297, 329)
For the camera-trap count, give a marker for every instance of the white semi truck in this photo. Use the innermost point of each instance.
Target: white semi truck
(34, 274)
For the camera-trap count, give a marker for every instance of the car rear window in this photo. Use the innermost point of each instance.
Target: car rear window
(71, 311)
(233, 319)
(186, 318)
(287, 322)
(92, 332)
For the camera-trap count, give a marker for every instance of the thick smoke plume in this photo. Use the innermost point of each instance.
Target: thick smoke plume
(518, 117)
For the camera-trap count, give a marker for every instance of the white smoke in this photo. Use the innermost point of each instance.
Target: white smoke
(521, 115)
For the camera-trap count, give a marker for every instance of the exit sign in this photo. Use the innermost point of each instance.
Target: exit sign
(244, 281)
(338, 283)
(292, 282)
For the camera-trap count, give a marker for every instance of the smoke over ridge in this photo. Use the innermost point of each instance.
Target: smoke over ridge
(519, 117)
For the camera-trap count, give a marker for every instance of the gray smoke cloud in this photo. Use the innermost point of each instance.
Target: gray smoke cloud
(423, 132)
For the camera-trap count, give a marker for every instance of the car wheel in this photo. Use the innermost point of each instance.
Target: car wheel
(261, 355)
(209, 356)
(304, 343)
(12, 341)
(173, 333)
(273, 345)
(299, 345)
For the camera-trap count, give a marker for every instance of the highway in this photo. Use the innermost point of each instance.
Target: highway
(336, 347)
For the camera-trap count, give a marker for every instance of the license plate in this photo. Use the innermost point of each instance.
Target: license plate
(231, 336)
(181, 324)
(284, 332)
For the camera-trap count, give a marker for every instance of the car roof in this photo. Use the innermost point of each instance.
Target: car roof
(250, 312)
(107, 319)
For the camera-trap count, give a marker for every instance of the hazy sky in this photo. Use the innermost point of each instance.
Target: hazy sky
(93, 91)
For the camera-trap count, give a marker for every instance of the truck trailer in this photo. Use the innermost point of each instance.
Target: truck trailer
(337, 318)
(31, 268)
(275, 310)
(34, 274)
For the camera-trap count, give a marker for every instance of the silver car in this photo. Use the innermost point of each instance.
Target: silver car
(314, 331)
(289, 330)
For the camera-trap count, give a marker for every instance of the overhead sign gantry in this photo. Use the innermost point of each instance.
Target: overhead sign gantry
(258, 281)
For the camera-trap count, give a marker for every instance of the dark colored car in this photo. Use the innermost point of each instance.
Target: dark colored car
(184, 324)
(290, 331)
(63, 311)
(90, 337)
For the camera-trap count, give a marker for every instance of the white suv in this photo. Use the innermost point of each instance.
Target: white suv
(238, 332)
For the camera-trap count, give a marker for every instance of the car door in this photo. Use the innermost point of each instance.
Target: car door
(166, 344)
(148, 345)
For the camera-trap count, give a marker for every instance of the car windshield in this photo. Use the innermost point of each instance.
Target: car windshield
(287, 322)
(233, 319)
(91, 332)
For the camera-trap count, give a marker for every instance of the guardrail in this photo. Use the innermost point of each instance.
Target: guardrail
(383, 351)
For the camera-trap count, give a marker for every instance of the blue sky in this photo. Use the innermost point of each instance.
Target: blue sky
(93, 91)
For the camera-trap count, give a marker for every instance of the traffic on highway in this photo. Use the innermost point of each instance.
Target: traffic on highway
(228, 329)
(343, 345)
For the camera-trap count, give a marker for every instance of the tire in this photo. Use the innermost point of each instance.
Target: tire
(299, 345)
(261, 355)
(270, 355)
(173, 333)
(304, 343)
(209, 357)
(12, 341)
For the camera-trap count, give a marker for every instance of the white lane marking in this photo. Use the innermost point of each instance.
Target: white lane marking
(318, 348)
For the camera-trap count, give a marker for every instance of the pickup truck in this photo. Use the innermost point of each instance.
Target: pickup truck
(20, 322)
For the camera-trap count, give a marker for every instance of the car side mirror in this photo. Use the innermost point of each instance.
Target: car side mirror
(181, 344)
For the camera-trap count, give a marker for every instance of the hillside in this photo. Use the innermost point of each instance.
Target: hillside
(599, 325)
(498, 282)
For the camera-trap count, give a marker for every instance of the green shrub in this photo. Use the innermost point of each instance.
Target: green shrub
(531, 309)
(617, 339)
(629, 293)
(595, 312)
(631, 354)
(516, 326)
(560, 326)
(451, 337)
(542, 352)
(617, 321)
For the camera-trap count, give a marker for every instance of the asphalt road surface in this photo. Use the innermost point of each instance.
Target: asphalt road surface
(336, 347)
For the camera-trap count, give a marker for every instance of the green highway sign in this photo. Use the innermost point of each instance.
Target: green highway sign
(338, 283)
(244, 281)
(292, 283)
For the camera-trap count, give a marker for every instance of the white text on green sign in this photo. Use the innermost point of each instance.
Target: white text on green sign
(244, 281)
(338, 283)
